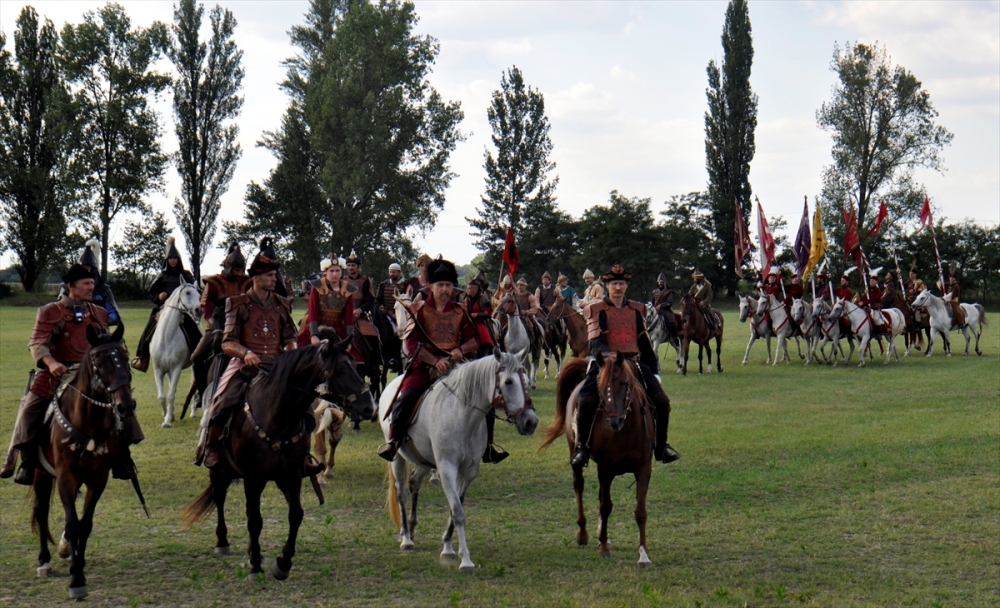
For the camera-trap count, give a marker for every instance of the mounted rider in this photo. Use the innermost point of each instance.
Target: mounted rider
(415, 284)
(874, 298)
(505, 288)
(594, 290)
(103, 297)
(530, 308)
(330, 305)
(58, 342)
(663, 302)
(442, 335)
(772, 285)
(232, 281)
(616, 324)
(477, 304)
(546, 293)
(385, 297)
(955, 302)
(258, 325)
(702, 292)
(844, 291)
(165, 284)
(793, 291)
(566, 291)
(822, 286)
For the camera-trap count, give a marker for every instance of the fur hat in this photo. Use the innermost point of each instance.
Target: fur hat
(75, 273)
(617, 273)
(91, 254)
(442, 270)
(266, 260)
(324, 264)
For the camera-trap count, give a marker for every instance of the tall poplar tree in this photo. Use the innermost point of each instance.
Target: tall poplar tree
(34, 145)
(519, 192)
(109, 68)
(206, 100)
(729, 134)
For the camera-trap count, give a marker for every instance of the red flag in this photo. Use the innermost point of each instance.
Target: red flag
(852, 241)
(742, 239)
(510, 255)
(882, 214)
(926, 219)
(766, 239)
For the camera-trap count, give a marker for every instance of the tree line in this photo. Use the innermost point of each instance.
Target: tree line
(363, 152)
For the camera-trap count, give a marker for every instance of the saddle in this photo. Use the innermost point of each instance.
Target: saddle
(366, 328)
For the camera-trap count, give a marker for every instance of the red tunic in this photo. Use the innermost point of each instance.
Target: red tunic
(480, 310)
(451, 328)
(844, 292)
(327, 309)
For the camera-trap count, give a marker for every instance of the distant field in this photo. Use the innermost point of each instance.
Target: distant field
(799, 486)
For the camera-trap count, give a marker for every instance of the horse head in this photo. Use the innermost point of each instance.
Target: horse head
(923, 299)
(510, 392)
(798, 310)
(340, 373)
(618, 388)
(402, 314)
(744, 308)
(106, 365)
(838, 309)
(187, 299)
(763, 304)
(820, 307)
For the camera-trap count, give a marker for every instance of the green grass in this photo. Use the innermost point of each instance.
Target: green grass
(799, 487)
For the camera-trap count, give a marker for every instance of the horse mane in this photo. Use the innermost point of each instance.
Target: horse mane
(605, 379)
(477, 377)
(273, 386)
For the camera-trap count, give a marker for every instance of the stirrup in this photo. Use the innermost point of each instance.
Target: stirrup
(25, 475)
(581, 457)
(668, 455)
(211, 459)
(138, 364)
(312, 467)
(388, 451)
(494, 454)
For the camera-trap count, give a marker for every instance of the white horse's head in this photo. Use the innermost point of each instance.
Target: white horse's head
(744, 308)
(512, 392)
(400, 308)
(187, 299)
(651, 314)
(838, 309)
(798, 310)
(819, 307)
(923, 299)
(763, 303)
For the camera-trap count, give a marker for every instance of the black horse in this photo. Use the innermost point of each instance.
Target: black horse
(268, 440)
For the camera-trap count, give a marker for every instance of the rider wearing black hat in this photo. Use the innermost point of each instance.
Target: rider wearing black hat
(169, 279)
(103, 296)
(616, 324)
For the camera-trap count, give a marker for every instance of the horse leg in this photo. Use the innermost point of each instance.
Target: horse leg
(930, 343)
(582, 538)
(701, 368)
(605, 479)
(336, 435)
(255, 522)
(416, 482)
(175, 379)
(43, 500)
(398, 469)
(447, 546)
(68, 488)
(718, 353)
(641, 487)
(158, 376)
(777, 353)
(220, 488)
(687, 354)
(864, 344)
(965, 332)
(746, 355)
(708, 350)
(450, 484)
(292, 489)
(767, 339)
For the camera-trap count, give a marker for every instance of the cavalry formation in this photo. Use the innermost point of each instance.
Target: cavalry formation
(269, 387)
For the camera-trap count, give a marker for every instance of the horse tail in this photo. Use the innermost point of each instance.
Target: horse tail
(34, 520)
(392, 501)
(199, 508)
(326, 417)
(573, 372)
(982, 316)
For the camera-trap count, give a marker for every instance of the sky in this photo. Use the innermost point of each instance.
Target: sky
(624, 86)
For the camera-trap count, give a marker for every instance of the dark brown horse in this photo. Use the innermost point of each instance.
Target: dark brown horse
(79, 448)
(268, 440)
(695, 329)
(576, 327)
(621, 441)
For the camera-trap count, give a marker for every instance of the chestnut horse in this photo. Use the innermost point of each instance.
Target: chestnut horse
(79, 449)
(621, 441)
(576, 327)
(694, 328)
(268, 441)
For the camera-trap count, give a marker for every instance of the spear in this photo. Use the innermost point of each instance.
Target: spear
(899, 275)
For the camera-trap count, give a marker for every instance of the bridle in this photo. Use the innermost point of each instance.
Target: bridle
(608, 399)
(500, 403)
(184, 309)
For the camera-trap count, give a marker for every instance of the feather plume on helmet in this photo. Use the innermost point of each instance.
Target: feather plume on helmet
(91, 254)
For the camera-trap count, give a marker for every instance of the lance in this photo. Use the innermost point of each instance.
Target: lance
(937, 254)
(899, 275)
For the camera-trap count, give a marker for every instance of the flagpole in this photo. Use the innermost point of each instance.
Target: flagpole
(937, 254)
(892, 243)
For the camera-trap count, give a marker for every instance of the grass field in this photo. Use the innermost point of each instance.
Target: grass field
(799, 486)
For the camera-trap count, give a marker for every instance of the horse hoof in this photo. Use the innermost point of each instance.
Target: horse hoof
(278, 573)
(64, 550)
(605, 554)
(582, 540)
(467, 568)
(329, 473)
(406, 545)
(77, 593)
(44, 570)
(166, 425)
(227, 550)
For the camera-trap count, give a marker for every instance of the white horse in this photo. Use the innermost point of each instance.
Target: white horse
(830, 330)
(449, 434)
(942, 322)
(809, 325)
(897, 326)
(759, 325)
(657, 330)
(861, 325)
(781, 326)
(168, 348)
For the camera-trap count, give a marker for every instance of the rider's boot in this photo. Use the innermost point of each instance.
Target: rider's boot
(9, 464)
(493, 454)
(399, 421)
(141, 360)
(25, 474)
(208, 447)
(124, 466)
(662, 450)
(311, 467)
(586, 412)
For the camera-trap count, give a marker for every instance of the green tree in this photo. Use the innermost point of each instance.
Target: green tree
(687, 243)
(109, 67)
(730, 123)
(882, 123)
(206, 100)
(519, 192)
(34, 145)
(363, 149)
(139, 253)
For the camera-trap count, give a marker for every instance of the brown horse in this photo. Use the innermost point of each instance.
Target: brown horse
(80, 448)
(621, 441)
(694, 328)
(329, 429)
(268, 440)
(576, 327)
